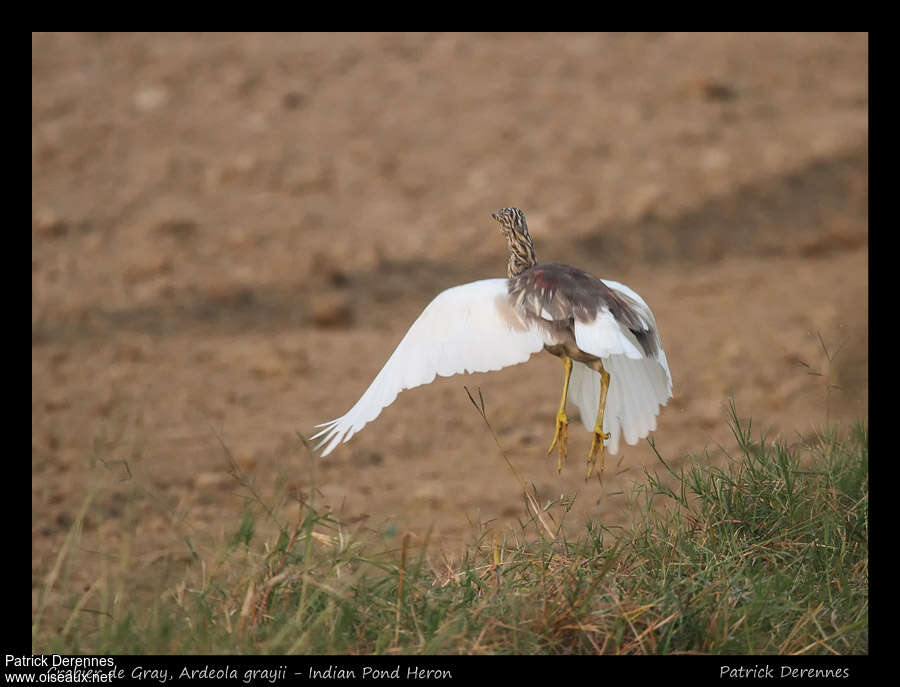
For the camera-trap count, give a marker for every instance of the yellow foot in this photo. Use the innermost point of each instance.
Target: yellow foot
(560, 438)
(597, 452)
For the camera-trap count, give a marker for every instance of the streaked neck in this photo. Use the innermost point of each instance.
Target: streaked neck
(521, 253)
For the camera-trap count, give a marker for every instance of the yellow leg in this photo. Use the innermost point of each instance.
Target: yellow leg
(561, 436)
(597, 448)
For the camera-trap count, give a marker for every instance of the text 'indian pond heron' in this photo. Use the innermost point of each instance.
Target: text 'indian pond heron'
(615, 367)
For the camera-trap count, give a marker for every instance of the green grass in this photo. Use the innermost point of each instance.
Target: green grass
(767, 555)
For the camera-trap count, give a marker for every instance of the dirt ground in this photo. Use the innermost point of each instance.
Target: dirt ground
(231, 233)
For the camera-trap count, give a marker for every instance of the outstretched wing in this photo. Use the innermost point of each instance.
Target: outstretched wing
(640, 381)
(468, 328)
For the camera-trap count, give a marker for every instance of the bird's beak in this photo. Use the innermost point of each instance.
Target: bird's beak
(504, 227)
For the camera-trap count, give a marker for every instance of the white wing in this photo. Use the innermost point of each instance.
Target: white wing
(468, 328)
(638, 385)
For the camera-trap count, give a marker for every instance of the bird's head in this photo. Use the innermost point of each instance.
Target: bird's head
(511, 220)
(514, 228)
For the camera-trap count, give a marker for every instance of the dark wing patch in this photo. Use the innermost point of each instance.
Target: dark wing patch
(565, 292)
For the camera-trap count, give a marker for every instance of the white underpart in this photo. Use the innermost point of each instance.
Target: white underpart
(638, 385)
(473, 328)
(469, 328)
